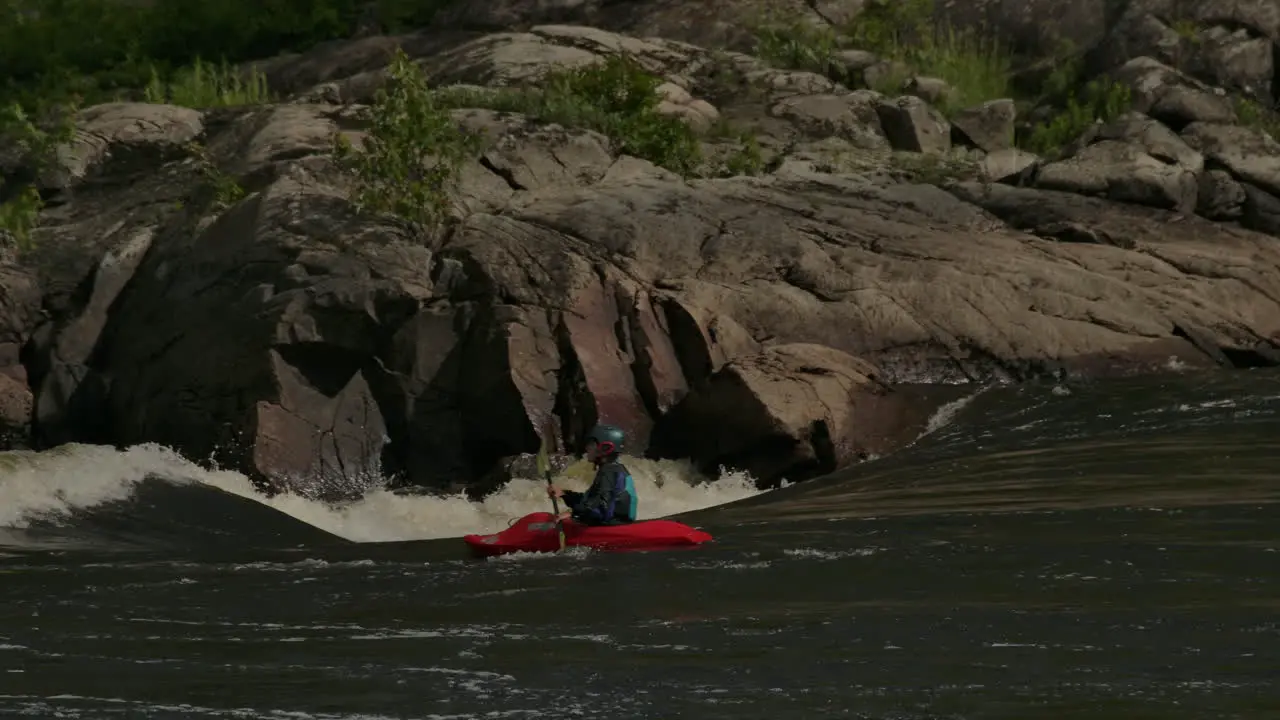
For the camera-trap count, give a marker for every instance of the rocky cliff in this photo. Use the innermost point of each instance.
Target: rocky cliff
(200, 277)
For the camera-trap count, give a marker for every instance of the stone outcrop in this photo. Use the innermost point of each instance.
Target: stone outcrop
(787, 323)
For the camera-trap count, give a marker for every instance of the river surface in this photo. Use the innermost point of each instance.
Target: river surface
(1099, 550)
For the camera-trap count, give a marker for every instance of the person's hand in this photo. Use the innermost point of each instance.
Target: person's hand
(565, 515)
(555, 492)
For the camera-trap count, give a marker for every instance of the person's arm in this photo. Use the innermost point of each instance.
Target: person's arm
(570, 498)
(597, 503)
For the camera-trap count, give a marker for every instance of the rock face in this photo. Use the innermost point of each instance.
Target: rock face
(15, 412)
(794, 410)
(778, 323)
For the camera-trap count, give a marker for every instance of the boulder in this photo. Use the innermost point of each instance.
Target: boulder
(789, 412)
(1260, 210)
(504, 59)
(1218, 51)
(717, 24)
(1007, 165)
(519, 58)
(1219, 197)
(852, 63)
(988, 127)
(850, 116)
(1249, 155)
(1234, 59)
(934, 91)
(912, 124)
(1170, 96)
(1125, 172)
(1154, 138)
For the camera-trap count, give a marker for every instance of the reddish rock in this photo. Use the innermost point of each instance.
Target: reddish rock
(705, 340)
(597, 357)
(656, 364)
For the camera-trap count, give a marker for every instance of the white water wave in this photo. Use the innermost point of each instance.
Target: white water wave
(55, 483)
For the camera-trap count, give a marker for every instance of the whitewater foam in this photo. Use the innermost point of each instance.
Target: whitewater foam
(946, 414)
(55, 482)
(52, 485)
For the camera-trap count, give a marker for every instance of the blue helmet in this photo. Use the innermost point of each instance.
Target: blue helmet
(610, 438)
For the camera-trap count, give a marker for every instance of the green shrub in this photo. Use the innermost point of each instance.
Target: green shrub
(886, 27)
(1100, 99)
(413, 150)
(1186, 29)
(616, 98)
(38, 143)
(222, 189)
(1252, 114)
(797, 46)
(1063, 80)
(19, 216)
(746, 157)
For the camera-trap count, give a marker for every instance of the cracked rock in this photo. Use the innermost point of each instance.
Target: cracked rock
(1220, 197)
(133, 137)
(988, 127)
(1170, 96)
(1249, 155)
(852, 117)
(1124, 172)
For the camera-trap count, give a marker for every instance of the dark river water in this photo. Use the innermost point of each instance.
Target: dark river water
(1111, 550)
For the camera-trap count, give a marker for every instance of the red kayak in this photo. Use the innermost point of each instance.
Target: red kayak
(537, 533)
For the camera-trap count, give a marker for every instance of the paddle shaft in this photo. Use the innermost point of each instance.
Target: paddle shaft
(555, 506)
(544, 464)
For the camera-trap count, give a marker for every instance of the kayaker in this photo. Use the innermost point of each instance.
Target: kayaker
(611, 499)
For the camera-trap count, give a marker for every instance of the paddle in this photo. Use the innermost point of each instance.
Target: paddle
(544, 467)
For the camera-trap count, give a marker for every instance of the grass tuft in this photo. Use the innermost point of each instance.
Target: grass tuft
(977, 69)
(1253, 114)
(204, 86)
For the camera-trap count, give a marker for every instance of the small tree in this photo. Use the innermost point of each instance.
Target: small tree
(20, 214)
(413, 150)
